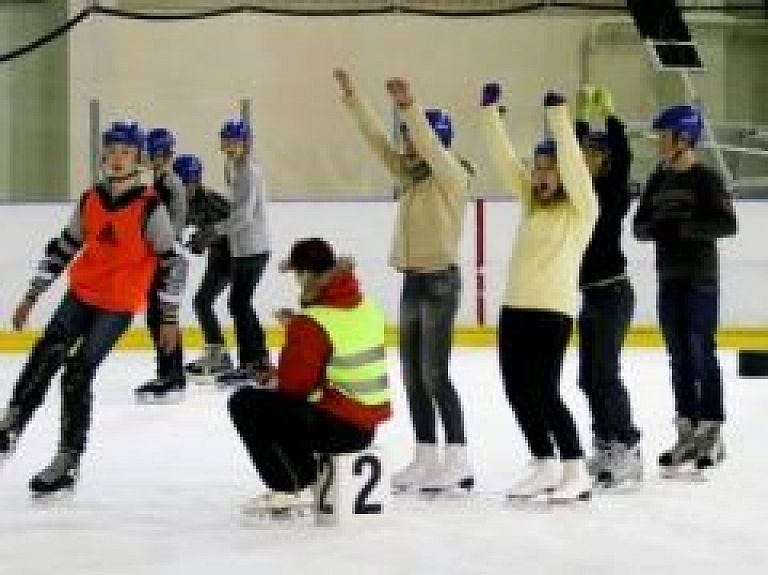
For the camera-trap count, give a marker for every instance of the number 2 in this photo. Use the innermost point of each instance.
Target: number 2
(362, 506)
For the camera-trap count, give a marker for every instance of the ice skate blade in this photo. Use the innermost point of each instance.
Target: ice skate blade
(686, 472)
(279, 513)
(523, 497)
(466, 485)
(584, 496)
(170, 398)
(202, 379)
(43, 497)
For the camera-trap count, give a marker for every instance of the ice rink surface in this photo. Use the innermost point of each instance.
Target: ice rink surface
(161, 489)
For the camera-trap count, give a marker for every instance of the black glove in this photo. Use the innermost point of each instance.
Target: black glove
(207, 209)
(200, 240)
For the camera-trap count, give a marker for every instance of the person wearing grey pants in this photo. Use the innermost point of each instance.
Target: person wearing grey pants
(434, 183)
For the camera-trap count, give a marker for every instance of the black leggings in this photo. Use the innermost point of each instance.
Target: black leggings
(532, 345)
(283, 435)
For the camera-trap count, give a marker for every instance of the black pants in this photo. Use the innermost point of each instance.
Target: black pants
(217, 276)
(170, 364)
(251, 340)
(283, 435)
(532, 346)
(78, 337)
(604, 321)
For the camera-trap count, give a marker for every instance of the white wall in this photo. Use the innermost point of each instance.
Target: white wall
(363, 229)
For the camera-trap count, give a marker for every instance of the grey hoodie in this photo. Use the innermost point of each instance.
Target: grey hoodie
(246, 226)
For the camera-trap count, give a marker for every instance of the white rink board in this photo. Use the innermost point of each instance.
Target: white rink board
(363, 230)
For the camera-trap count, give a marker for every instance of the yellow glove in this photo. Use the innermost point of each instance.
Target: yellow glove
(585, 103)
(603, 102)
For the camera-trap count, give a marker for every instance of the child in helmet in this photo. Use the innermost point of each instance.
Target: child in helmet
(206, 208)
(123, 238)
(170, 383)
(435, 189)
(558, 213)
(685, 208)
(608, 299)
(246, 231)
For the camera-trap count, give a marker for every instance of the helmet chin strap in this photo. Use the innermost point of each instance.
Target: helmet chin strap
(119, 179)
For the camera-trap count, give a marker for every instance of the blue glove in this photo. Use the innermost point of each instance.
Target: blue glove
(554, 99)
(491, 94)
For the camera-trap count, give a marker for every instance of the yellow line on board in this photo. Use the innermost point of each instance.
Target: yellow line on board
(464, 336)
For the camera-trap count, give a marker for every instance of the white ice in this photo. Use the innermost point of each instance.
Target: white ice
(161, 488)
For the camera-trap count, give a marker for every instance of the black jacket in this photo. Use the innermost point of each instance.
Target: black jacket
(604, 257)
(684, 213)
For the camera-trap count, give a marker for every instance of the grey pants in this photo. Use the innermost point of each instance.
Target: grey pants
(428, 307)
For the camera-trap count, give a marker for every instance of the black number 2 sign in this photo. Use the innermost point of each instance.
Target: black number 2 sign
(362, 505)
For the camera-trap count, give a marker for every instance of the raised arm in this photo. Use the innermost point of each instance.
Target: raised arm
(369, 126)
(577, 181)
(443, 162)
(506, 163)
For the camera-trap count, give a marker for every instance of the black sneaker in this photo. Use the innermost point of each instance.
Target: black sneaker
(162, 390)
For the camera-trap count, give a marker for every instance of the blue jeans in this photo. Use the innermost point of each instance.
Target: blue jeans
(79, 336)
(604, 321)
(688, 313)
(428, 307)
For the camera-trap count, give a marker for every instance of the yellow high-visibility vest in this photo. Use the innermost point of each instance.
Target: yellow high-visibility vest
(358, 365)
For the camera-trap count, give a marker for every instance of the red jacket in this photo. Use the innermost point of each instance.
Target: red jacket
(307, 350)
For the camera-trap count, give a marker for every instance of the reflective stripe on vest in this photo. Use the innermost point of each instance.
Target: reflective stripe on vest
(358, 367)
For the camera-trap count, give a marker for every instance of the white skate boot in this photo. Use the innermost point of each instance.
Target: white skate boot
(280, 504)
(623, 464)
(576, 484)
(453, 472)
(544, 477)
(416, 473)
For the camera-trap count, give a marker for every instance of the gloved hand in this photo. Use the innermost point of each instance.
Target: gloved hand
(491, 94)
(200, 240)
(585, 103)
(602, 102)
(553, 98)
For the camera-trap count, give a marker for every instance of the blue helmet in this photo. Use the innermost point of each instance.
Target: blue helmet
(160, 142)
(236, 129)
(125, 132)
(189, 168)
(545, 147)
(442, 125)
(683, 119)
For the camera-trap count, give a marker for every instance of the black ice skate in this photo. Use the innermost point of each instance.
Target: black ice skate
(710, 449)
(214, 361)
(8, 433)
(258, 374)
(58, 478)
(684, 450)
(7, 443)
(162, 390)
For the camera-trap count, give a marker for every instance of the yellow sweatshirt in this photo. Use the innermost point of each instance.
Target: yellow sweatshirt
(551, 238)
(430, 212)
